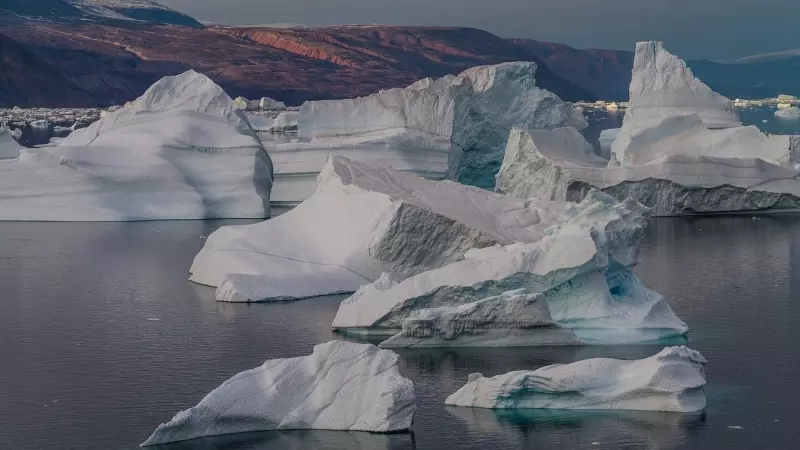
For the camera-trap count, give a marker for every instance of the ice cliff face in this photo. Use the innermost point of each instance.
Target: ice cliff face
(340, 386)
(454, 127)
(180, 151)
(362, 221)
(671, 381)
(573, 286)
(679, 151)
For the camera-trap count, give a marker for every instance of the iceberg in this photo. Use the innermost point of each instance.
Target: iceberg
(453, 127)
(361, 222)
(282, 122)
(340, 386)
(670, 381)
(791, 113)
(686, 159)
(607, 138)
(573, 286)
(268, 103)
(9, 148)
(181, 151)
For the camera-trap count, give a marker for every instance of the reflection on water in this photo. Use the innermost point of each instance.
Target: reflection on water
(102, 338)
(296, 440)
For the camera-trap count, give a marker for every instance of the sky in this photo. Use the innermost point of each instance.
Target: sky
(693, 29)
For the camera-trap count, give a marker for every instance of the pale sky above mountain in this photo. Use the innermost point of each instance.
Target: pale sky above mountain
(714, 29)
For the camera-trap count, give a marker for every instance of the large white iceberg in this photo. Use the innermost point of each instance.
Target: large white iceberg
(181, 151)
(454, 127)
(790, 113)
(671, 381)
(679, 152)
(362, 222)
(340, 386)
(573, 286)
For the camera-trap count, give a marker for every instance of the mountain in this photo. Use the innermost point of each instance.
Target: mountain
(604, 73)
(118, 61)
(28, 81)
(96, 11)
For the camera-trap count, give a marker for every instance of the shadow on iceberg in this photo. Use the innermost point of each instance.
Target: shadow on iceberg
(297, 440)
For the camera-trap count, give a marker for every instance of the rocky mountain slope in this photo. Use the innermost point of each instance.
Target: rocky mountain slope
(26, 81)
(97, 11)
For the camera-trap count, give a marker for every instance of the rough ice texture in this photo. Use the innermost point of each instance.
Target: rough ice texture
(340, 386)
(607, 138)
(9, 148)
(361, 222)
(672, 162)
(181, 151)
(672, 180)
(581, 267)
(671, 381)
(663, 86)
(454, 127)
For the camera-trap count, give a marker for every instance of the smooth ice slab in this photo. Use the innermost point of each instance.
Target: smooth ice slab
(340, 386)
(671, 381)
(180, 151)
(361, 222)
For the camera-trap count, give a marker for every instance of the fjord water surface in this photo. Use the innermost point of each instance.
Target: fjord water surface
(102, 338)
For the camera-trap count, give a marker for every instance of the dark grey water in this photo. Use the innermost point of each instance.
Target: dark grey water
(102, 338)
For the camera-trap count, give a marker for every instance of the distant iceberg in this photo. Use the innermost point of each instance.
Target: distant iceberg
(671, 381)
(180, 151)
(791, 113)
(9, 148)
(340, 386)
(681, 150)
(453, 127)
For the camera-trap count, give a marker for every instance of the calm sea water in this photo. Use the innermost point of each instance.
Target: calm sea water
(102, 338)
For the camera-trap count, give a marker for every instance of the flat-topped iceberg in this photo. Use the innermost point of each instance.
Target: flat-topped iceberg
(671, 381)
(362, 222)
(340, 386)
(573, 286)
(790, 113)
(685, 159)
(181, 151)
(453, 127)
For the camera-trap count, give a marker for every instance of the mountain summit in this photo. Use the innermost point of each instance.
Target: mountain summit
(98, 11)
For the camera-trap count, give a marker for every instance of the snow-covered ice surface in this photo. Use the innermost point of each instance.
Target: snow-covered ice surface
(679, 152)
(575, 285)
(362, 221)
(181, 151)
(454, 127)
(340, 386)
(671, 381)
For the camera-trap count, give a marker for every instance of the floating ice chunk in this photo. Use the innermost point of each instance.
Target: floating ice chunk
(791, 113)
(361, 222)
(285, 121)
(607, 138)
(581, 267)
(268, 103)
(241, 103)
(340, 386)
(9, 148)
(181, 151)
(671, 381)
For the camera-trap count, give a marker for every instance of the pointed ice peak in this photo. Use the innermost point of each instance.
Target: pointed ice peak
(189, 91)
(663, 85)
